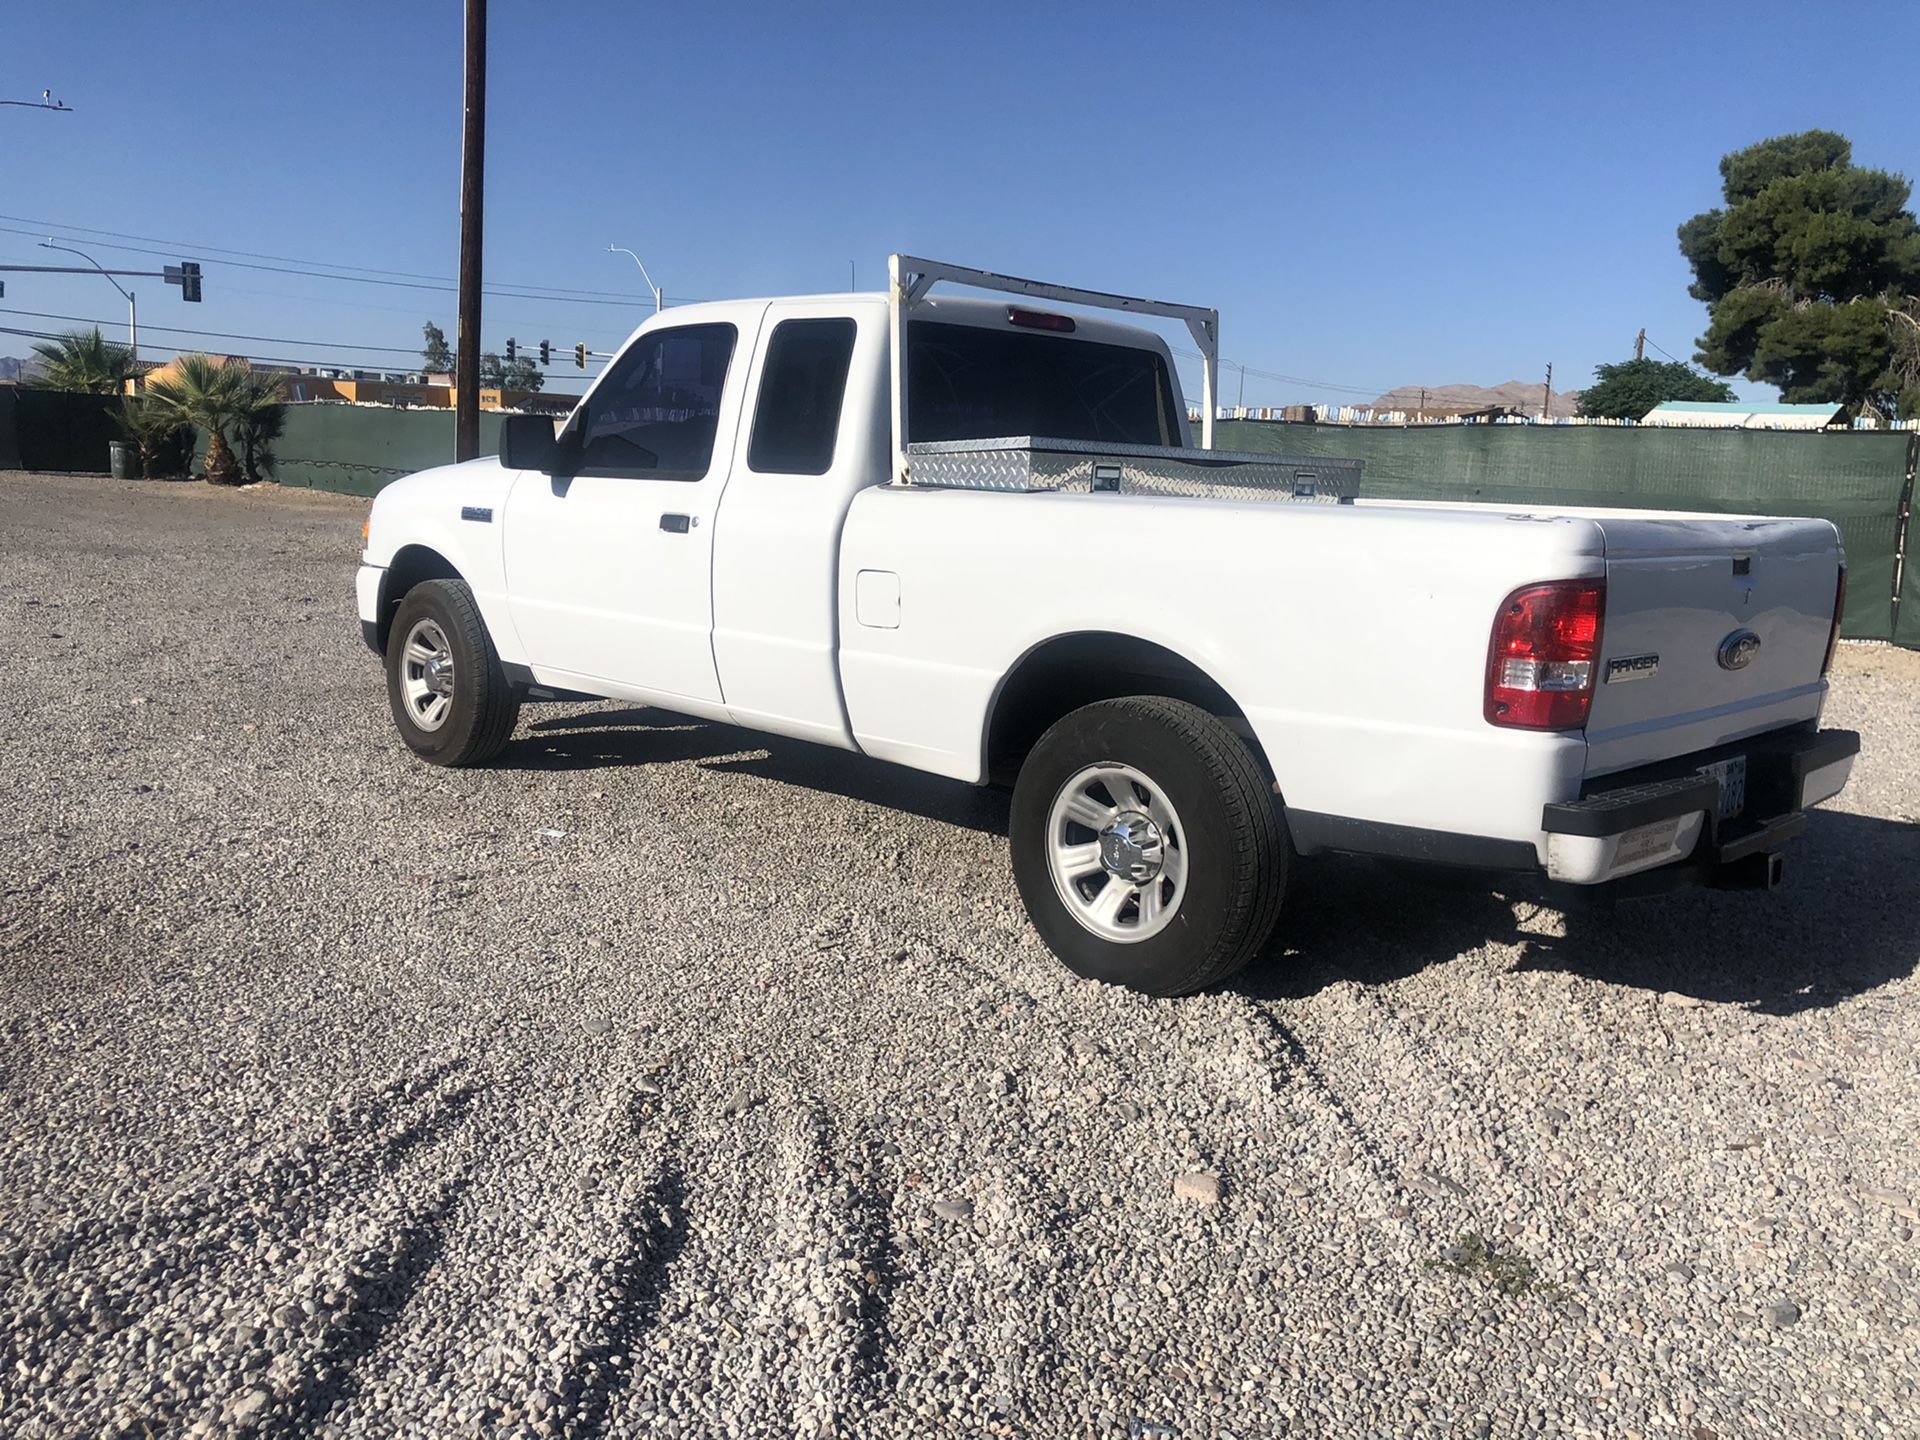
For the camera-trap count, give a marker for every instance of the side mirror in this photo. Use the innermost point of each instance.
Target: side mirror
(527, 443)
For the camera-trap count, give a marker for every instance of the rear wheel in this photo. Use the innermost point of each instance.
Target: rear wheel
(451, 701)
(1147, 845)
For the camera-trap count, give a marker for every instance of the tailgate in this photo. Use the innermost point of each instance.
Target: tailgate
(1715, 630)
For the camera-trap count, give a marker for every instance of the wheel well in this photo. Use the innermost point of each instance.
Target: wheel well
(412, 565)
(1070, 671)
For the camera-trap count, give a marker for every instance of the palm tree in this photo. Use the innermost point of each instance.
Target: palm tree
(153, 428)
(212, 394)
(83, 361)
(258, 420)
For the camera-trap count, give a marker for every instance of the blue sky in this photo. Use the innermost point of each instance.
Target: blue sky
(1373, 196)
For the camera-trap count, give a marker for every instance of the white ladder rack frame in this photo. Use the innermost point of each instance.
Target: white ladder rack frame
(909, 278)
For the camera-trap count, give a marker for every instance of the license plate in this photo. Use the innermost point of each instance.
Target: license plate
(1732, 776)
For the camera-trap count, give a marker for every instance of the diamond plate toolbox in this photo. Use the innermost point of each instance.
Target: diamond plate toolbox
(1038, 462)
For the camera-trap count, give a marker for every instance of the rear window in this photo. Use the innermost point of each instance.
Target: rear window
(969, 383)
(804, 380)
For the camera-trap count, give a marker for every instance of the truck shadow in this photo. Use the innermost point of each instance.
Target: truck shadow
(641, 736)
(611, 739)
(1844, 923)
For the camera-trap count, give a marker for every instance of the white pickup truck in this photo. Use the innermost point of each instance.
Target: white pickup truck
(972, 536)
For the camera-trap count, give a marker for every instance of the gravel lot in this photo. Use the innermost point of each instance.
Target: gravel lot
(663, 1082)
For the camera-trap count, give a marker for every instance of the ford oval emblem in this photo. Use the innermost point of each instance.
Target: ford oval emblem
(1738, 649)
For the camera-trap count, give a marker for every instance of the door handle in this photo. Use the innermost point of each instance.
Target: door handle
(678, 524)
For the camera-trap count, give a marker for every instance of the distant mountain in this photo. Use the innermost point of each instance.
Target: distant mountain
(1519, 396)
(11, 369)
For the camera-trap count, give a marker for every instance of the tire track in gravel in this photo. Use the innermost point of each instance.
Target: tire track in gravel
(565, 1245)
(1342, 1090)
(382, 1276)
(792, 1334)
(835, 1261)
(1322, 1029)
(630, 1283)
(236, 1285)
(1399, 1050)
(354, 1138)
(600, 1289)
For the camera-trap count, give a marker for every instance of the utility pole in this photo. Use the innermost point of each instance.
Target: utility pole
(473, 160)
(1640, 344)
(1546, 395)
(853, 280)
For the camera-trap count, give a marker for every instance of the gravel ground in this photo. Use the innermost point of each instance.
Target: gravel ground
(663, 1082)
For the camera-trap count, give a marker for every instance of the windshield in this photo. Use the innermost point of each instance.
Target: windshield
(965, 382)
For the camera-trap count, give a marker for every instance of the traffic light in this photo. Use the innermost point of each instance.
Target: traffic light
(580, 355)
(510, 349)
(190, 280)
(546, 353)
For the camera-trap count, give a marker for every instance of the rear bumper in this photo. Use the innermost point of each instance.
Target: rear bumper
(1660, 827)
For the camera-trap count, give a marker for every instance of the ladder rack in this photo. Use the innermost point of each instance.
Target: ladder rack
(910, 277)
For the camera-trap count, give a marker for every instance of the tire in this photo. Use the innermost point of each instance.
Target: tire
(457, 714)
(1202, 848)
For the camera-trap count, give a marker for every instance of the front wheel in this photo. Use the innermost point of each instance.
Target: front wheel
(451, 701)
(1147, 846)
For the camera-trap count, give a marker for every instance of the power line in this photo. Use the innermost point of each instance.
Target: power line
(1279, 378)
(223, 335)
(324, 345)
(270, 359)
(555, 377)
(522, 293)
(502, 319)
(1656, 345)
(283, 259)
(612, 296)
(415, 280)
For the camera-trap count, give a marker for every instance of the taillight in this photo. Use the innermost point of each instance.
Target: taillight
(1839, 609)
(1546, 646)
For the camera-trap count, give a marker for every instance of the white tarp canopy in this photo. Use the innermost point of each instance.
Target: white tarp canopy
(1742, 415)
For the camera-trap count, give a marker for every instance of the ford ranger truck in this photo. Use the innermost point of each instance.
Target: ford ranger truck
(972, 535)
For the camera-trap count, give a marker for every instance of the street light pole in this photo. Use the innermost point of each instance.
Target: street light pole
(658, 303)
(133, 314)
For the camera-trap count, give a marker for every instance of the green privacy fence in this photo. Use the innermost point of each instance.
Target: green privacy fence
(1856, 479)
(1860, 480)
(356, 449)
(52, 431)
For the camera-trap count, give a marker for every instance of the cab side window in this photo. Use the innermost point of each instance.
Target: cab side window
(655, 413)
(796, 422)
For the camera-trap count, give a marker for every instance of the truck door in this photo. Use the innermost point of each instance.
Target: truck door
(609, 562)
(815, 432)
